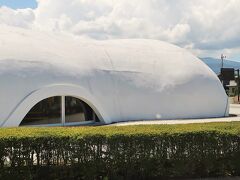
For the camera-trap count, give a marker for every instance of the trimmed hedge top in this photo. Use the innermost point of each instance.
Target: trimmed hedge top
(121, 152)
(24, 132)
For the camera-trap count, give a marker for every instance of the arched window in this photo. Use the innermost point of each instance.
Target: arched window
(60, 110)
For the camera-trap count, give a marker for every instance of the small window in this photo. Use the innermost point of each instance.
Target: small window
(47, 111)
(76, 110)
(60, 110)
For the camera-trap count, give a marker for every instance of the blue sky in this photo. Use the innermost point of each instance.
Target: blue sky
(19, 4)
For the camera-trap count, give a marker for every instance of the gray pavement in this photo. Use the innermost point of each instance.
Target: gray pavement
(234, 109)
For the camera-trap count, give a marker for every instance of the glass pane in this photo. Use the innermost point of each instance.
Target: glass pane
(47, 111)
(76, 110)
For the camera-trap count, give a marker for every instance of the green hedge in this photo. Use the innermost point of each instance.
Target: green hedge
(127, 152)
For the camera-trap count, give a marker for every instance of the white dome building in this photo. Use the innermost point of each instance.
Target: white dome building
(48, 79)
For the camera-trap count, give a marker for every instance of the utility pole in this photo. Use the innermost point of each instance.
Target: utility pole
(238, 83)
(222, 58)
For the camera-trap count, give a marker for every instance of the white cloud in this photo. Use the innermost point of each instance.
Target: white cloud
(21, 18)
(199, 25)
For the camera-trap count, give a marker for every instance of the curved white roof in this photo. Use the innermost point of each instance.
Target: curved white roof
(122, 80)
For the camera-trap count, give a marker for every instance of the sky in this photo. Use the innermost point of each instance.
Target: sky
(206, 28)
(19, 4)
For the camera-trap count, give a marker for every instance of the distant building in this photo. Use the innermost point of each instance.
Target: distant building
(232, 88)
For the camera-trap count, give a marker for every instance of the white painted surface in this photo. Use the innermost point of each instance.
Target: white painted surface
(177, 121)
(121, 79)
(234, 110)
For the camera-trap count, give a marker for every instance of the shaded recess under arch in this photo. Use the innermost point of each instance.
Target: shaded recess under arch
(60, 110)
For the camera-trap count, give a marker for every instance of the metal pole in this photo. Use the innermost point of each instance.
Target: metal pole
(63, 110)
(222, 61)
(222, 58)
(238, 84)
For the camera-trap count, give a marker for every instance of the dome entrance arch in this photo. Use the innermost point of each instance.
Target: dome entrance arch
(60, 110)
